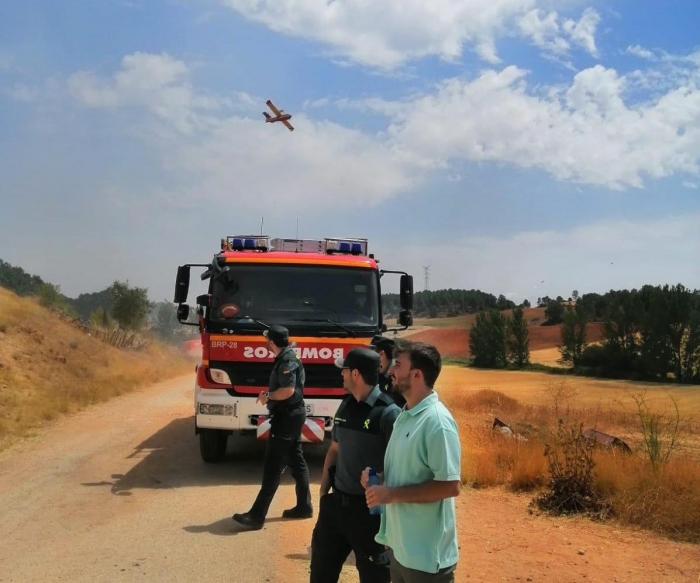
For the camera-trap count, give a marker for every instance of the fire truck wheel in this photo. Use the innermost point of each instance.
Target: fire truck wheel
(212, 445)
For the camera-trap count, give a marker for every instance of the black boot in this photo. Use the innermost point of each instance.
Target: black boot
(298, 512)
(247, 519)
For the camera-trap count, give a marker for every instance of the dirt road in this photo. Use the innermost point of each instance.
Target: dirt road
(119, 493)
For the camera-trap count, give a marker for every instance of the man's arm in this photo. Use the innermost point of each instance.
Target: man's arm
(331, 458)
(287, 376)
(443, 458)
(281, 394)
(430, 491)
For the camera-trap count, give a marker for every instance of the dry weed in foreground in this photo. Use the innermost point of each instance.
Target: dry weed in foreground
(666, 501)
(570, 487)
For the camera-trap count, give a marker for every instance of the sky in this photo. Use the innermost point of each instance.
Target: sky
(521, 147)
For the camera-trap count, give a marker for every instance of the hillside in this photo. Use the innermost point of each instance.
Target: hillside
(49, 368)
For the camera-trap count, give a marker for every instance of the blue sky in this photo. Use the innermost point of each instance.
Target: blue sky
(525, 147)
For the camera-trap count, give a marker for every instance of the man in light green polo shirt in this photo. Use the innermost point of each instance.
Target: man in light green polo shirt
(421, 475)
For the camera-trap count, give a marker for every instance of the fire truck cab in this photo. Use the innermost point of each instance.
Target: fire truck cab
(327, 292)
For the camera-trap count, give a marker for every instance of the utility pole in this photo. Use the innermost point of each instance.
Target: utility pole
(426, 271)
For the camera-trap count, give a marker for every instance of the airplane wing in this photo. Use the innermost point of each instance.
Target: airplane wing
(273, 108)
(289, 126)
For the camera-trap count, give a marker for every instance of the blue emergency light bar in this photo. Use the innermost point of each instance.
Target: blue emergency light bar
(245, 242)
(264, 243)
(352, 246)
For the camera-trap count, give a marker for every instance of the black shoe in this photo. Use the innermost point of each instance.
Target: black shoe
(298, 512)
(246, 519)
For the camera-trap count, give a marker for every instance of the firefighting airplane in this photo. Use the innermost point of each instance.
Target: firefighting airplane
(279, 116)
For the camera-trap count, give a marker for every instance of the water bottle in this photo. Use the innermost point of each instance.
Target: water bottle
(374, 481)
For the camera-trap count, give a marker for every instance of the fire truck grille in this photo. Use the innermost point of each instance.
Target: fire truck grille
(257, 374)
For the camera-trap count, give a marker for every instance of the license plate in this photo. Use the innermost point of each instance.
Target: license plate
(309, 409)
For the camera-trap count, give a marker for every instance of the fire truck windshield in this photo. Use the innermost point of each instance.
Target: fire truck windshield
(296, 296)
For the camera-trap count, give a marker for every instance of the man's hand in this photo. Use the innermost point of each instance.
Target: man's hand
(378, 495)
(364, 478)
(263, 398)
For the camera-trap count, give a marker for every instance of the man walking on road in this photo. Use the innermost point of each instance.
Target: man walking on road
(363, 425)
(421, 475)
(285, 401)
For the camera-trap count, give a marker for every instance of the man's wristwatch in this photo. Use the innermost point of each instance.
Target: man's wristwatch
(267, 395)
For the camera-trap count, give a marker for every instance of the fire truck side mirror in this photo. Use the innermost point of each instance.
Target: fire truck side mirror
(182, 284)
(405, 318)
(183, 312)
(406, 292)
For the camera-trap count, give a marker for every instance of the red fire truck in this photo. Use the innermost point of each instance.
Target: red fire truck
(326, 292)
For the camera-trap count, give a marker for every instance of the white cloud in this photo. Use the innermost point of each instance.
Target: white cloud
(22, 92)
(389, 33)
(579, 258)
(583, 31)
(689, 184)
(319, 166)
(640, 52)
(546, 32)
(584, 133)
(316, 103)
(236, 162)
(156, 82)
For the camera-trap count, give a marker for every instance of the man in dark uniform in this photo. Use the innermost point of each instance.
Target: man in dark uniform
(384, 347)
(285, 401)
(363, 425)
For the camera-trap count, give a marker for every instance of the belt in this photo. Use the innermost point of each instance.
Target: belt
(287, 407)
(348, 499)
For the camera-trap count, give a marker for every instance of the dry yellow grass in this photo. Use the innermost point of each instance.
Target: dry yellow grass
(49, 368)
(667, 501)
(530, 388)
(548, 356)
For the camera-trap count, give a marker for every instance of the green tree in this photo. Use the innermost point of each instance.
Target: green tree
(100, 318)
(573, 336)
(526, 304)
(487, 339)
(50, 295)
(554, 312)
(129, 305)
(620, 331)
(166, 326)
(518, 342)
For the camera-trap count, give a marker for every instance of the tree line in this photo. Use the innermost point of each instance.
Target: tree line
(648, 334)
(448, 303)
(119, 305)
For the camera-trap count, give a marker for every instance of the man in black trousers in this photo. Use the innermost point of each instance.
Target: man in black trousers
(363, 425)
(285, 401)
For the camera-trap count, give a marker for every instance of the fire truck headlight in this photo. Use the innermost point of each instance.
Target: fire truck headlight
(219, 376)
(206, 409)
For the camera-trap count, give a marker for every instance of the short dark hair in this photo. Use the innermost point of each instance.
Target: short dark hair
(423, 357)
(370, 377)
(383, 343)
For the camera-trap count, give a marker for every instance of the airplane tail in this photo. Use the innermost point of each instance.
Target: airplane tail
(267, 115)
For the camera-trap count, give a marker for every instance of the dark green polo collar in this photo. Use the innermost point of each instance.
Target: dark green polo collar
(373, 396)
